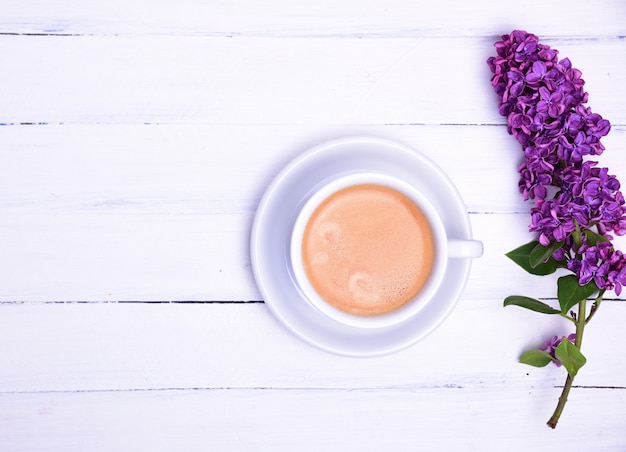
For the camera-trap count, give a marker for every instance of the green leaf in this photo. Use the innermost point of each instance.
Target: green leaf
(570, 293)
(536, 358)
(570, 356)
(593, 237)
(521, 256)
(530, 303)
(540, 254)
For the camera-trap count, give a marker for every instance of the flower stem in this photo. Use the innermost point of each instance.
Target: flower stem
(562, 401)
(595, 306)
(581, 322)
(580, 328)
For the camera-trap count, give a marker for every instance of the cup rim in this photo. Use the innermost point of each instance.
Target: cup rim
(320, 193)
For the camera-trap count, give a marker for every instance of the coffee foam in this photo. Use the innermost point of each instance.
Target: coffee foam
(368, 249)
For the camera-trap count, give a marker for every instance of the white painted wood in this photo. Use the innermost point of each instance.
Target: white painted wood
(204, 257)
(282, 18)
(57, 347)
(205, 169)
(179, 79)
(136, 141)
(267, 419)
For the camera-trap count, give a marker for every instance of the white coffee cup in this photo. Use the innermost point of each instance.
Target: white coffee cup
(445, 248)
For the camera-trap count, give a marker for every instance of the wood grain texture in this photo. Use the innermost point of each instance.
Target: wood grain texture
(149, 346)
(204, 169)
(265, 419)
(280, 18)
(257, 80)
(136, 140)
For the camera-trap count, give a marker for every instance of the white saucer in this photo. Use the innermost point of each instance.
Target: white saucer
(274, 221)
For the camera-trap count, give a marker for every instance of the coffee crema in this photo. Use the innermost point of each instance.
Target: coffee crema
(368, 249)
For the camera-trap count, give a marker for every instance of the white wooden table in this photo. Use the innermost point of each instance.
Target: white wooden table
(136, 140)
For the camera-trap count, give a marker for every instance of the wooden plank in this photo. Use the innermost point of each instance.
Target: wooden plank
(180, 79)
(208, 169)
(152, 346)
(314, 18)
(118, 257)
(287, 420)
(136, 257)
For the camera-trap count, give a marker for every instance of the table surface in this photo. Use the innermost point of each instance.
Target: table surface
(136, 141)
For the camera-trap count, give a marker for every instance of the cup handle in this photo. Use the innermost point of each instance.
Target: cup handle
(461, 249)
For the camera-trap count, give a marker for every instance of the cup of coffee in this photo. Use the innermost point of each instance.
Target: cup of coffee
(369, 250)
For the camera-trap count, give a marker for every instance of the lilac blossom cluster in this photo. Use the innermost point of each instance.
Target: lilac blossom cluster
(544, 102)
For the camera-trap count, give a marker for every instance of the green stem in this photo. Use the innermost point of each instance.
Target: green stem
(595, 306)
(580, 328)
(571, 319)
(562, 400)
(581, 322)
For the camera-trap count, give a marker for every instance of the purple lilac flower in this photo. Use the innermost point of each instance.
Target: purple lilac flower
(552, 219)
(551, 345)
(600, 263)
(544, 100)
(594, 263)
(588, 196)
(536, 88)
